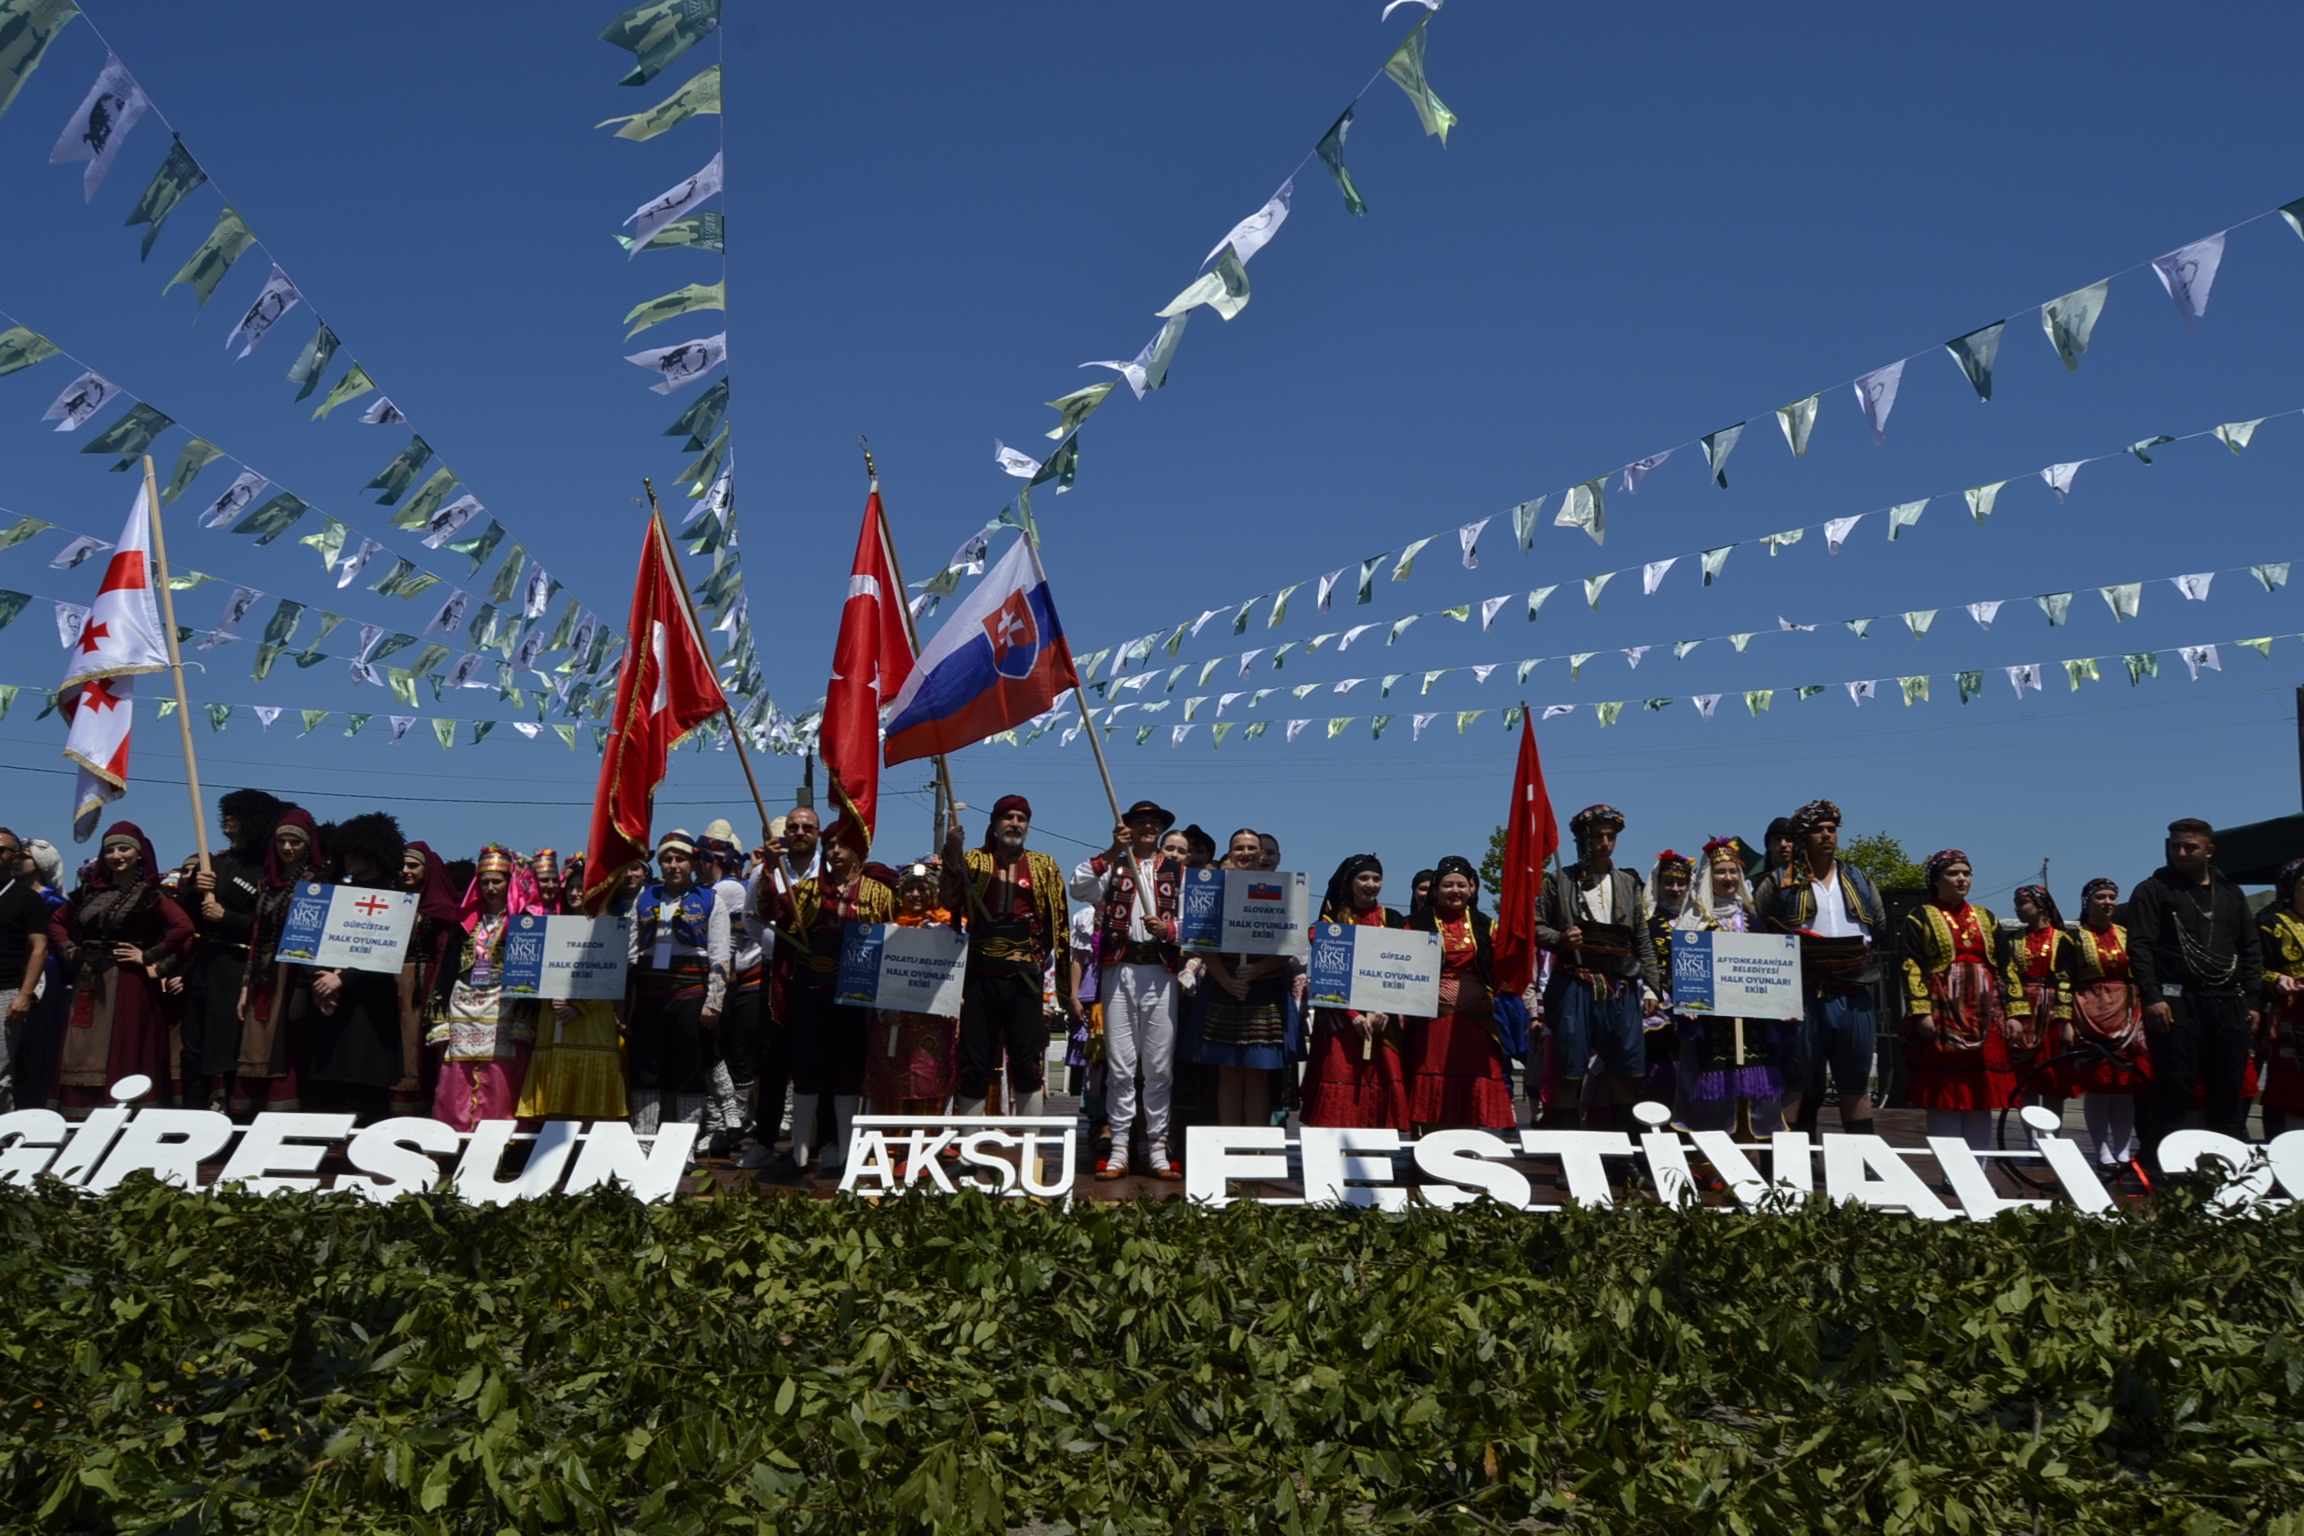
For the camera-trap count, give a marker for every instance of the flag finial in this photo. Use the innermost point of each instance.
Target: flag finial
(871, 471)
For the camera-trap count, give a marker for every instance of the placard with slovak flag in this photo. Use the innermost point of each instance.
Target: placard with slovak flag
(997, 662)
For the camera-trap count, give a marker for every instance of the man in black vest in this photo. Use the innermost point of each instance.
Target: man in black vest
(2194, 958)
(223, 908)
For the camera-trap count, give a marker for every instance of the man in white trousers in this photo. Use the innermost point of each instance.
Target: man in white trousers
(1136, 891)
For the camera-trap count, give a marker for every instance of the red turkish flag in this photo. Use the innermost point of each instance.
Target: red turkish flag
(1531, 837)
(665, 688)
(870, 662)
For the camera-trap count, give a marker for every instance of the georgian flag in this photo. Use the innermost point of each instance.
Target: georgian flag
(120, 638)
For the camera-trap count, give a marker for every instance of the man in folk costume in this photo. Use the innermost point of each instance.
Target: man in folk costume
(679, 969)
(1138, 959)
(1822, 898)
(2198, 963)
(222, 905)
(825, 1039)
(720, 864)
(1605, 981)
(1011, 900)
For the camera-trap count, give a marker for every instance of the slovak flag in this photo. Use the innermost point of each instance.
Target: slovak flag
(122, 637)
(998, 661)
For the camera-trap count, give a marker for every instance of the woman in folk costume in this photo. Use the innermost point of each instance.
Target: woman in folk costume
(352, 1053)
(1456, 1071)
(483, 1036)
(2044, 958)
(119, 936)
(1670, 883)
(1244, 1019)
(1356, 1076)
(2282, 931)
(913, 1056)
(677, 984)
(275, 994)
(2108, 1027)
(544, 874)
(426, 975)
(1731, 1070)
(827, 1040)
(1960, 987)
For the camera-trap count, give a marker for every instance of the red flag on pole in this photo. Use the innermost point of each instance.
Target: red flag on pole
(1531, 837)
(664, 689)
(870, 662)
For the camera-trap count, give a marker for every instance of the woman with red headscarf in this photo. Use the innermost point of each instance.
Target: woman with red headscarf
(118, 935)
(484, 1036)
(275, 996)
(1960, 987)
(434, 944)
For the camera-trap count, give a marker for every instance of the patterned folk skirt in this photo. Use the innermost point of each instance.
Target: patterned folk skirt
(911, 1056)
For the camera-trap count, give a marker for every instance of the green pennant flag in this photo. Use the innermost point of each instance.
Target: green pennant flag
(329, 541)
(27, 27)
(1376, 726)
(701, 420)
(1078, 406)
(2141, 665)
(2070, 320)
(657, 32)
(217, 715)
(281, 627)
(352, 386)
(1609, 711)
(429, 657)
(8, 692)
(2083, 670)
(1915, 690)
(178, 175)
(1330, 149)
(24, 528)
(205, 267)
(699, 97)
(428, 498)
(353, 723)
(167, 708)
(12, 604)
(395, 478)
(680, 301)
(402, 683)
(272, 519)
(312, 718)
(480, 730)
(1758, 699)
(52, 697)
(705, 468)
(1975, 353)
(312, 361)
(1406, 67)
(508, 575)
(565, 630)
(706, 231)
(599, 737)
(1063, 467)
(130, 435)
(444, 731)
(1971, 684)
(479, 546)
(404, 580)
(198, 454)
(21, 347)
(567, 734)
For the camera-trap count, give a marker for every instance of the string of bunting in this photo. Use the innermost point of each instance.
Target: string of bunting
(95, 137)
(1980, 501)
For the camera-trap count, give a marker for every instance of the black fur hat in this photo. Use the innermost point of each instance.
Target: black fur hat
(257, 812)
(374, 835)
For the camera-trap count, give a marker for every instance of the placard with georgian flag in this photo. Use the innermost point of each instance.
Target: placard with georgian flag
(348, 927)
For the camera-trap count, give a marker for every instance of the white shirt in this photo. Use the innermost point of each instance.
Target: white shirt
(1832, 919)
(1599, 901)
(745, 930)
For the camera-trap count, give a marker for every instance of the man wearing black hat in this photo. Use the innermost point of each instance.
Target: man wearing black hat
(223, 907)
(1605, 981)
(1012, 901)
(1137, 891)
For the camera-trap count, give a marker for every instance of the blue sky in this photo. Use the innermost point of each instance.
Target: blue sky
(1649, 225)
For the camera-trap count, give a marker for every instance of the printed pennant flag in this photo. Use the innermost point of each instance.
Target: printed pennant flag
(1586, 507)
(1652, 575)
(1798, 420)
(1403, 567)
(1071, 409)
(1468, 538)
(2272, 573)
(1524, 520)
(1876, 394)
(1903, 517)
(2070, 320)
(1713, 562)
(670, 204)
(682, 364)
(1717, 446)
(69, 557)
(1592, 586)
(2056, 605)
(197, 455)
(2195, 587)
(178, 175)
(1536, 601)
(680, 301)
(1631, 475)
(706, 231)
(27, 27)
(1915, 690)
(1705, 703)
(112, 107)
(1919, 619)
(2059, 478)
(81, 399)
(1330, 149)
(352, 386)
(1149, 370)
(2198, 656)
(2083, 670)
(1984, 613)
(312, 361)
(2235, 434)
(2023, 677)
(329, 541)
(1758, 699)
(1980, 499)
(699, 97)
(1861, 691)
(21, 347)
(1837, 530)
(1975, 353)
(2123, 599)
(1970, 684)
(1406, 68)
(1254, 232)
(273, 301)
(1368, 577)
(2188, 273)
(2140, 665)
(130, 435)
(658, 32)
(1224, 288)
(2141, 448)
(205, 267)
(1489, 607)
(272, 519)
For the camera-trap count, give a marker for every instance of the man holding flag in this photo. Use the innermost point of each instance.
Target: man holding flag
(121, 637)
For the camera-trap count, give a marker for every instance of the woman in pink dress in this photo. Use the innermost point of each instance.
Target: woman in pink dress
(484, 1036)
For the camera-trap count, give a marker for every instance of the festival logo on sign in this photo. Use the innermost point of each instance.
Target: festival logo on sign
(1015, 637)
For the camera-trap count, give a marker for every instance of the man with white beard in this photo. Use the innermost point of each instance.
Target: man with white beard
(1012, 901)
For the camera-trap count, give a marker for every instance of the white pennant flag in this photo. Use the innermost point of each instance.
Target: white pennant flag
(2198, 656)
(71, 618)
(1633, 654)
(527, 728)
(1632, 474)
(460, 676)
(2059, 477)
(1352, 634)
(1714, 561)
(1180, 732)
(1837, 530)
(662, 209)
(81, 399)
(1224, 701)
(1480, 672)
(682, 364)
(1248, 659)
(1416, 724)
(442, 525)
(2025, 676)
(1705, 702)
(1201, 622)
(1652, 575)
(1860, 692)
(1489, 608)
(2188, 273)
(400, 724)
(236, 499)
(2056, 605)
(1294, 726)
(236, 608)
(383, 414)
(1876, 393)
(1919, 619)
(266, 714)
(538, 596)
(451, 615)
(1328, 588)
(531, 646)
(1348, 684)
(1552, 711)
(1469, 537)
(2123, 598)
(69, 557)
(1149, 370)
(370, 636)
(1022, 465)
(1254, 232)
(96, 131)
(274, 300)
(356, 562)
(1903, 517)
(2194, 587)
(209, 639)
(1786, 624)
(1984, 613)
(1584, 506)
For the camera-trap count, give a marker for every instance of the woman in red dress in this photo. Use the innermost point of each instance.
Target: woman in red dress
(1456, 1073)
(2044, 959)
(913, 1061)
(1960, 988)
(2283, 934)
(118, 935)
(2108, 1027)
(1355, 1076)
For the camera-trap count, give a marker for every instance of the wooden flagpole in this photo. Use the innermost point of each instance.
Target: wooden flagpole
(175, 664)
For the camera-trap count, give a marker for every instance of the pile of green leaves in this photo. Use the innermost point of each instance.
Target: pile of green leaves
(226, 1363)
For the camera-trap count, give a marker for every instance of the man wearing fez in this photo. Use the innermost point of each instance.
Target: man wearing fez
(1821, 898)
(1138, 960)
(2199, 969)
(1593, 917)
(1011, 899)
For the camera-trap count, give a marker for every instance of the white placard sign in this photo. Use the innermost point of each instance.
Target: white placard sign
(348, 927)
(918, 970)
(1375, 970)
(1737, 975)
(1265, 913)
(567, 958)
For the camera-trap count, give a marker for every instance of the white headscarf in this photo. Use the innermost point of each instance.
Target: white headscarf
(1703, 908)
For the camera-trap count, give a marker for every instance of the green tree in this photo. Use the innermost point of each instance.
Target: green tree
(1492, 865)
(1882, 857)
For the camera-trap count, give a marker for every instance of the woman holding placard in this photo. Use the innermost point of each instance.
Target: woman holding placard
(1456, 1071)
(275, 996)
(1960, 988)
(484, 1036)
(1242, 1013)
(1356, 1077)
(913, 1055)
(1730, 1069)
